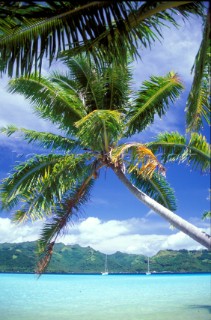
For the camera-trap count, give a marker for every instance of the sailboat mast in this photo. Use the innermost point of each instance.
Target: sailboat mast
(106, 267)
(148, 271)
(106, 264)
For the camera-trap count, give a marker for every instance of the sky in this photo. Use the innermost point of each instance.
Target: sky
(114, 220)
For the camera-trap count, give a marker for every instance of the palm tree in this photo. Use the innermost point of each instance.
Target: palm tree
(98, 113)
(30, 31)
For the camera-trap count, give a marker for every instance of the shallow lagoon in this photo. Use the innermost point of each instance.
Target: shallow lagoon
(113, 297)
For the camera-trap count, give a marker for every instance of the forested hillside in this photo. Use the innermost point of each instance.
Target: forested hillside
(21, 257)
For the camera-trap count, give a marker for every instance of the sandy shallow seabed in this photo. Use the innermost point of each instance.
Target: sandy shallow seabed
(113, 297)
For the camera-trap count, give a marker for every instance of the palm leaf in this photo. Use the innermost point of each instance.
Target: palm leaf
(49, 101)
(116, 81)
(87, 80)
(104, 88)
(141, 25)
(26, 175)
(206, 215)
(63, 212)
(41, 181)
(157, 188)
(153, 98)
(100, 129)
(171, 146)
(138, 157)
(43, 139)
(104, 29)
(198, 103)
(198, 155)
(175, 147)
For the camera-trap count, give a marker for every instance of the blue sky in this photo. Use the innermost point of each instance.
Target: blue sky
(114, 219)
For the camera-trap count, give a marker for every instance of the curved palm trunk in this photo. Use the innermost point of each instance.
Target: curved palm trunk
(174, 219)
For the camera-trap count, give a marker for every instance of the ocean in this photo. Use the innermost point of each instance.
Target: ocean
(112, 297)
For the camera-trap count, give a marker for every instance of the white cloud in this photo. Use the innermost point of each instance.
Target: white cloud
(180, 241)
(176, 51)
(15, 109)
(127, 236)
(12, 232)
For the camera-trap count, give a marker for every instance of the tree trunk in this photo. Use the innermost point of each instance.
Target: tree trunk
(181, 224)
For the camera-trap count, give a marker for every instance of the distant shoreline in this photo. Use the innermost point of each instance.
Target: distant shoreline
(73, 259)
(110, 274)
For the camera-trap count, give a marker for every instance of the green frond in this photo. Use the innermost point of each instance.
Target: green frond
(188, 8)
(198, 155)
(116, 85)
(63, 212)
(43, 139)
(100, 129)
(45, 259)
(157, 188)
(49, 101)
(69, 205)
(106, 30)
(198, 108)
(141, 26)
(198, 102)
(206, 215)
(41, 181)
(105, 87)
(153, 98)
(87, 79)
(139, 158)
(175, 147)
(171, 146)
(25, 176)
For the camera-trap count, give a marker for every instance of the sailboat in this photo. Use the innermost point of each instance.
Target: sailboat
(148, 271)
(105, 273)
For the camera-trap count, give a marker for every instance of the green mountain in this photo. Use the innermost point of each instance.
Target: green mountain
(21, 257)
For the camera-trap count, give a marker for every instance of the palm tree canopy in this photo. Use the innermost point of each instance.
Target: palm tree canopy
(97, 112)
(29, 31)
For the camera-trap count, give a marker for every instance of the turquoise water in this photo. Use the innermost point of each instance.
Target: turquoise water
(113, 297)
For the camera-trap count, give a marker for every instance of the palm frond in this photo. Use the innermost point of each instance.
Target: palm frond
(198, 102)
(49, 101)
(175, 147)
(170, 146)
(45, 259)
(63, 212)
(116, 85)
(105, 87)
(153, 98)
(138, 157)
(43, 139)
(24, 176)
(157, 188)
(198, 155)
(104, 29)
(87, 79)
(40, 182)
(100, 129)
(198, 108)
(206, 215)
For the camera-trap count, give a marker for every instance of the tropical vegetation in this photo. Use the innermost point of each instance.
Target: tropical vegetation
(105, 30)
(22, 257)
